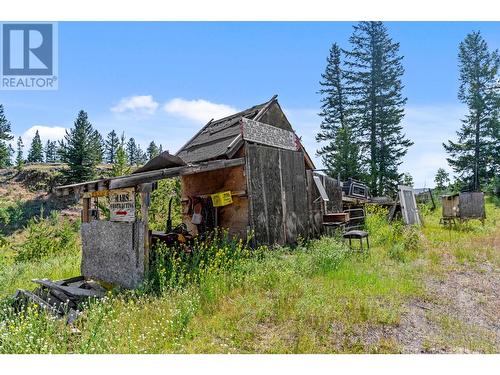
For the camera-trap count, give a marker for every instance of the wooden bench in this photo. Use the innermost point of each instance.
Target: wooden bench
(357, 234)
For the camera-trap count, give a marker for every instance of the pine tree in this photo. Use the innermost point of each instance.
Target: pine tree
(35, 153)
(112, 143)
(131, 151)
(140, 156)
(51, 152)
(341, 154)
(152, 150)
(100, 145)
(19, 155)
(160, 149)
(475, 157)
(373, 74)
(78, 149)
(442, 179)
(5, 149)
(120, 165)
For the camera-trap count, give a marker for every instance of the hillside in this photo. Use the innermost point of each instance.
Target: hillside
(427, 289)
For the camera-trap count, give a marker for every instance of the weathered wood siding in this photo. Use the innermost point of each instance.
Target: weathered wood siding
(233, 217)
(278, 195)
(316, 206)
(471, 205)
(450, 206)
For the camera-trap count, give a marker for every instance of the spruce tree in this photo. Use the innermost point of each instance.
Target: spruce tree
(131, 151)
(51, 152)
(19, 155)
(100, 145)
(373, 74)
(341, 153)
(78, 149)
(112, 143)
(152, 150)
(476, 155)
(140, 156)
(35, 153)
(5, 148)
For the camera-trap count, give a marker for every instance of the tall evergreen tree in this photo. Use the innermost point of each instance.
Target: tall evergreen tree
(112, 143)
(131, 151)
(152, 150)
(78, 149)
(51, 152)
(100, 145)
(35, 153)
(140, 156)
(476, 155)
(341, 153)
(120, 165)
(373, 75)
(5, 149)
(19, 155)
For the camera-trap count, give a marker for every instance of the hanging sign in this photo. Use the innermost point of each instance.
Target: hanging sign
(122, 205)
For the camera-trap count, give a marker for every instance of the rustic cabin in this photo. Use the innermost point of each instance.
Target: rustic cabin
(248, 173)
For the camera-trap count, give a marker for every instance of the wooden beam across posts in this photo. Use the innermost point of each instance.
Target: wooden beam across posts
(140, 178)
(147, 177)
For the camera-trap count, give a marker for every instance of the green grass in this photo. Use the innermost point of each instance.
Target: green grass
(319, 297)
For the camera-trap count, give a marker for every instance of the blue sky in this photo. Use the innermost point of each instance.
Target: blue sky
(162, 81)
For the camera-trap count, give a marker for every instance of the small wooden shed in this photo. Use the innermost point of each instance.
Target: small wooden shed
(463, 206)
(274, 195)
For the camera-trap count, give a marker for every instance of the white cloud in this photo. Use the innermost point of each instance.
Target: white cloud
(139, 104)
(429, 127)
(199, 110)
(53, 133)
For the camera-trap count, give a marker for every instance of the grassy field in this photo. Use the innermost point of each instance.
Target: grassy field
(424, 289)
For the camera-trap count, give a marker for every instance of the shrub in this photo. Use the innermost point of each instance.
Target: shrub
(412, 238)
(47, 237)
(405, 239)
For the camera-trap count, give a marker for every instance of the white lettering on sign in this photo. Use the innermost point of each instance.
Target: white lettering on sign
(122, 205)
(265, 134)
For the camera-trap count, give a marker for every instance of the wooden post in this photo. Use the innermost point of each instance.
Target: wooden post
(145, 190)
(85, 210)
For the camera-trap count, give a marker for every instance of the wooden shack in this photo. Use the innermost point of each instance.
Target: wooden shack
(273, 193)
(463, 206)
(247, 173)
